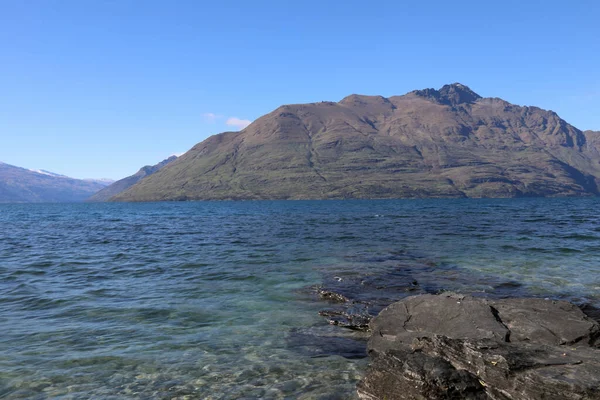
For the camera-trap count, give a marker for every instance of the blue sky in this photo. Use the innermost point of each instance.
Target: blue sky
(100, 88)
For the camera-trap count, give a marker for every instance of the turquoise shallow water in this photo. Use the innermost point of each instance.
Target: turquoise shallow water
(212, 300)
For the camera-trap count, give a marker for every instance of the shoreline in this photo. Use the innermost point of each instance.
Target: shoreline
(396, 367)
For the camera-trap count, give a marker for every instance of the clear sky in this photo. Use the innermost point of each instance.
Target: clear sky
(99, 88)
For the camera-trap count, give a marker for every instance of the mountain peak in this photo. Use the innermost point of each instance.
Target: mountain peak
(361, 99)
(453, 94)
(457, 93)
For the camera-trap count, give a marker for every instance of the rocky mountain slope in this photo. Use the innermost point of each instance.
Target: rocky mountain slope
(125, 183)
(20, 185)
(428, 143)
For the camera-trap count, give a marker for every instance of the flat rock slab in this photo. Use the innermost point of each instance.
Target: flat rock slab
(546, 321)
(459, 347)
(454, 316)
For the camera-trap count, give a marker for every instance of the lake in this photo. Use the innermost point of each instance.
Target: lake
(217, 300)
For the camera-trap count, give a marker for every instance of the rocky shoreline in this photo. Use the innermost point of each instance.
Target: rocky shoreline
(454, 346)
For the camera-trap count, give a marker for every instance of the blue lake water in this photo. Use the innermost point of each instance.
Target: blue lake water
(214, 300)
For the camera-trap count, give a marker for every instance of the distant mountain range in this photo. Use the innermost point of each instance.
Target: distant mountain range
(20, 185)
(125, 183)
(449, 142)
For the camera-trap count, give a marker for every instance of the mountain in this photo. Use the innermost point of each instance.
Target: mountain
(125, 183)
(20, 185)
(449, 142)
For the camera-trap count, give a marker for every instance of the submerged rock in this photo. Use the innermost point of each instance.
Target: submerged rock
(332, 296)
(353, 299)
(355, 320)
(318, 342)
(459, 347)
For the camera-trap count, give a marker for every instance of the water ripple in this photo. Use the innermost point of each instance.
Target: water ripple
(208, 300)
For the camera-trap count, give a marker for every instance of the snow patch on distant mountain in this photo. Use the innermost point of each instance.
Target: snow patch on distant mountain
(108, 181)
(104, 181)
(49, 173)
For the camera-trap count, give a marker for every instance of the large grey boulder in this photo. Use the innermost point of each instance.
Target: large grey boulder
(459, 347)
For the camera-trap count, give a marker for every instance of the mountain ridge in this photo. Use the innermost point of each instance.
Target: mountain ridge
(21, 185)
(449, 142)
(123, 184)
